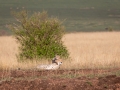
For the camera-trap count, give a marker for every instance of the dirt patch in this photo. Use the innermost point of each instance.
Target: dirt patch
(59, 80)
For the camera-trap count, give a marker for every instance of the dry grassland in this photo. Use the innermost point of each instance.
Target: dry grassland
(87, 50)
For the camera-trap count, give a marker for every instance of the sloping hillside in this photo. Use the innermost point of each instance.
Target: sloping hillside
(79, 15)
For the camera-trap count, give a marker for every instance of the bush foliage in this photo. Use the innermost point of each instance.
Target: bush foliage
(39, 36)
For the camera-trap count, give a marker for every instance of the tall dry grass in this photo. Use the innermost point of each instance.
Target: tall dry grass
(87, 50)
(8, 51)
(94, 50)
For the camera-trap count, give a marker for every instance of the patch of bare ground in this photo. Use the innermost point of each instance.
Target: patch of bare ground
(81, 79)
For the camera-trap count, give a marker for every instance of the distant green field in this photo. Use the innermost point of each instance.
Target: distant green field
(79, 15)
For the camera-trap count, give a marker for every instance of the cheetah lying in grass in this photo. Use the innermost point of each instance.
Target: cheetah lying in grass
(56, 62)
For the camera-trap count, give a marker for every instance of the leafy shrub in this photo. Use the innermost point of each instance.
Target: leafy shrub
(39, 36)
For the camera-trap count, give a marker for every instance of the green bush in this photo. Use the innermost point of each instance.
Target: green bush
(39, 36)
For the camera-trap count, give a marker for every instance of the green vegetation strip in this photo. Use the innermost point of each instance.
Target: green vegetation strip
(79, 15)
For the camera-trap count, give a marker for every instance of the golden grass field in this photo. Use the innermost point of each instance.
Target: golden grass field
(87, 50)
